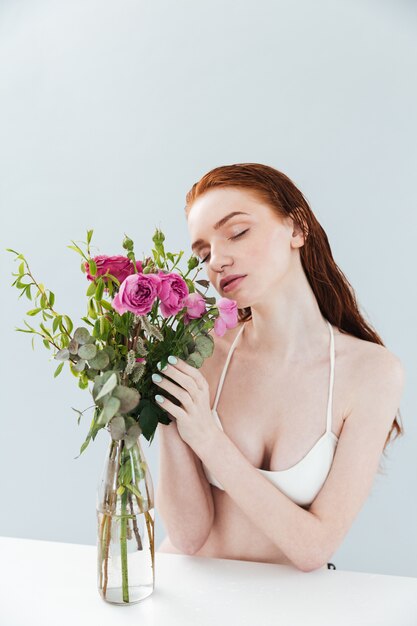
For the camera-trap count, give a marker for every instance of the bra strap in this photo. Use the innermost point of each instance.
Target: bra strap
(330, 399)
(223, 374)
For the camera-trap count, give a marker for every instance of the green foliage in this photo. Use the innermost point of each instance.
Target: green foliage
(103, 352)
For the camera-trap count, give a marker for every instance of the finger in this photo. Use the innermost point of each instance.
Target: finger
(182, 371)
(170, 407)
(176, 390)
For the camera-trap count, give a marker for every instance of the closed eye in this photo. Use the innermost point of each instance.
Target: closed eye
(235, 237)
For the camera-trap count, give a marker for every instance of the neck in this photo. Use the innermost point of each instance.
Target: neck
(287, 324)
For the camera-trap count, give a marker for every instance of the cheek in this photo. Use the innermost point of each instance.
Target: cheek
(275, 254)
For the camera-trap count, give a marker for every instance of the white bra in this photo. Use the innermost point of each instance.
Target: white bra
(300, 482)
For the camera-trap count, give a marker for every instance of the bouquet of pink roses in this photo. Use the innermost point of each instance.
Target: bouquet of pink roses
(138, 313)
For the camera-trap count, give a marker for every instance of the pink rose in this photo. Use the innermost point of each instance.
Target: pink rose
(137, 294)
(228, 316)
(172, 292)
(196, 306)
(118, 266)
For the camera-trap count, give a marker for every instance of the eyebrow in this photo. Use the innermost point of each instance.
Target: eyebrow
(218, 225)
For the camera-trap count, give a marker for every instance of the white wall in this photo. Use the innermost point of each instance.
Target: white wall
(110, 111)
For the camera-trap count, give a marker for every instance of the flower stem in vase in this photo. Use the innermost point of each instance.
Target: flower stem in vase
(108, 517)
(123, 548)
(135, 525)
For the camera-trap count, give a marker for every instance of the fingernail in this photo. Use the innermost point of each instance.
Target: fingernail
(159, 398)
(158, 365)
(156, 378)
(172, 359)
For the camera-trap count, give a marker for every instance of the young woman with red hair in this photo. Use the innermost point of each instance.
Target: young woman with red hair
(272, 453)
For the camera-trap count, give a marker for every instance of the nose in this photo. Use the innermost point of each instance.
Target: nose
(218, 260)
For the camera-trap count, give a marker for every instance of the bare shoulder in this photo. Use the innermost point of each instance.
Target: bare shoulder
(375, 373)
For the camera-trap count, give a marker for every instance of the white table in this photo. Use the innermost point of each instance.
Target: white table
(49, 583)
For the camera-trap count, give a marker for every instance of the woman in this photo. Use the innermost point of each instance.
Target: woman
(277, 470)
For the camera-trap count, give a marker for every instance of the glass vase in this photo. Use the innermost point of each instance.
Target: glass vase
(125, 526)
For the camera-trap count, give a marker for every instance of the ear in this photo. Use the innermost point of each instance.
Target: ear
(298, 236)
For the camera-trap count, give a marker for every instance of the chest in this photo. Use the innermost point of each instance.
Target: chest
(275, 415)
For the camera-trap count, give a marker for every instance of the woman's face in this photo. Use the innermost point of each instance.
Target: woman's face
(257, 243)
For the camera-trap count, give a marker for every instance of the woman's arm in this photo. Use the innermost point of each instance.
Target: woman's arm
(183, 497)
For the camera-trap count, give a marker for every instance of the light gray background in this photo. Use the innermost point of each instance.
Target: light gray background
(110, 111)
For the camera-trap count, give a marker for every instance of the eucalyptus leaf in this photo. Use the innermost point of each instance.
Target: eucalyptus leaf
(108, 386)
(100, 361)
(79, 365)
(129, 397)
(99, 381)
(129, 421)
(91, 373)
(87, 351)
(110, 408)
(132, 435)
(117, 427)
(73, 346)
(204, 345)
(81, 335)
(110, 351)
(195, 359)
(62, 355)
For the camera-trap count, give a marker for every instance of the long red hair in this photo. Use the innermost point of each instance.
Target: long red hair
(335, 296)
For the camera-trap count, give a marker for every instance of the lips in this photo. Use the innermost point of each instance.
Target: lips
(231, 283)
(224, 281)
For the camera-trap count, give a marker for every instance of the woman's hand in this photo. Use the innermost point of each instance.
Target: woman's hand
(193, 417)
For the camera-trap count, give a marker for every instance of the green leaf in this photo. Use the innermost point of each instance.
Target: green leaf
(92, 287)
(51, 298)
(33, 311)
(46, 344)
(89, 235)
(110, 408)
(83, 384)
(129, 397)
(73, 346)
(79, 365)
(132, 434)
(148, 417)
(106, 305)
(134, 490)
(45, 330)
(100, 361)
(69, 323)
(91, 310)
(28, 292)
(108, 386)
(77, 249)
(82, 335)
(62, 355)
(93, 267)
(195, 359)
(87, 351)
(204, 345)
(55, 323)
(100, 289)
(117, 428)
(59, 369)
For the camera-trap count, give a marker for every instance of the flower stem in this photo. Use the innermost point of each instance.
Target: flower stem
(123, 548)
